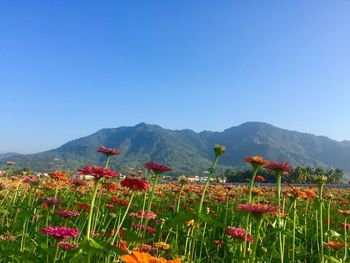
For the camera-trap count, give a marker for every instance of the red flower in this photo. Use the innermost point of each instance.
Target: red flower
(279, 168)
(67, 213)
(49, 201)
(98, 172)
(257, 209)
(108, 151)
(135, 184)
(143, 214)
(157, 168)
(260, 178)
(335, 244)
(77, 182)
(60, 232)
(238, 233)
(30, 179)
(119, 201)
(67, 246)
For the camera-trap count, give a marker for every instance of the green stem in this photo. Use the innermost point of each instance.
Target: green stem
(123, 218)
(91, 209)
(279, 183)
(321, 221)
(251, 184)
(150, 202)
(294, 227)
(256, 238)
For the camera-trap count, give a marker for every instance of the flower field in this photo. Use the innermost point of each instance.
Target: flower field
(67, 218)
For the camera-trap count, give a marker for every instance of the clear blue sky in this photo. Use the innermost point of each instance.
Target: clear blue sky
(69, 68)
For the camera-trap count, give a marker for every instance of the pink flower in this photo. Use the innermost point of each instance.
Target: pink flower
(67, 213)
(50, 201)
(148, 228)
(108, 151)
(77, 182)
(279, 168)
(135, 184)
(67, 246)
(257, 209)
(156, 167)
(30, 180)
(238, 233)
(98, 172)
(60, 231)
(143, 214)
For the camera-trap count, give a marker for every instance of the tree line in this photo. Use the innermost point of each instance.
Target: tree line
(300, 175)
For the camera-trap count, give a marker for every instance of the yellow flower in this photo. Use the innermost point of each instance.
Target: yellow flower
(162, 245)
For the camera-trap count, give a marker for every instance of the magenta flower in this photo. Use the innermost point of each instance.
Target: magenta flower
(67, 213)
(143, 214)
(50, 201)
(77, 182)
(67, 245)
(238, 233)
(279, 168)
(60, 231)
(108, 151)
(135, 184)
(257, 209)
(98, 172)
(156, 167)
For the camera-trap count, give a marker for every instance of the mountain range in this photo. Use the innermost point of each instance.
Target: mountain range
(189, 152)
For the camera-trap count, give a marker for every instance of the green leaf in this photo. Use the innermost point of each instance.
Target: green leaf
(179, 219)
(210, 221)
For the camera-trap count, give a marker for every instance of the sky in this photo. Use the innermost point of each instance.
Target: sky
(69, 68)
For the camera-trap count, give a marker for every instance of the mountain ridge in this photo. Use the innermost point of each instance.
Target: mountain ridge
(188, 151)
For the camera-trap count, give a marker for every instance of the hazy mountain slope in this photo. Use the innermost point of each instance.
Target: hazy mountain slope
(190, 152)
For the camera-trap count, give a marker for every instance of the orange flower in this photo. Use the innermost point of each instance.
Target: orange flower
(334, 244)
(58, 175)
(256, 161)
(142, 257)
(344, 212)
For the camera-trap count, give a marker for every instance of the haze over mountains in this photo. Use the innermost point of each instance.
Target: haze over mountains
(189, 152)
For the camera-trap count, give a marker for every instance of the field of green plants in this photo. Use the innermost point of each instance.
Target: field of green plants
(94, 216)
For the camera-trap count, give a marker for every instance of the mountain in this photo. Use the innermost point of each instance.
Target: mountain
(8, 155)
(189, 152)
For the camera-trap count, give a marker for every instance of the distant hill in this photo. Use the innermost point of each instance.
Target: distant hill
(8, 155)
(189, 152)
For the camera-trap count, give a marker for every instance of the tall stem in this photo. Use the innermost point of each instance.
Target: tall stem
(321, 221)
(256, 238)
(279, 180)
(91, 209)
(251, 184)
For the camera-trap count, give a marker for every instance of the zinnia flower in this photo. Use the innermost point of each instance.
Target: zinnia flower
(58, 175)
(67, 213)
(60, 231)
(334, 244)
(157, 168)
(143, 257)
(50, 201)
(162, 245)
(219, 150)
(344, 212)
(143, 214)
(67, 245)
(256, 161)
(260, 178)
(279, 168)
(135, 184)
(98, 172)
(108, 151)
(257, 209)
(238, 233)
(30, 180)
(77, 182)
